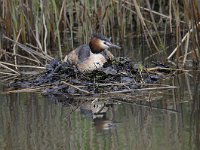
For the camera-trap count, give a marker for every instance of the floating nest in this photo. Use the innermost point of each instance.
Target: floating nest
(119, 76)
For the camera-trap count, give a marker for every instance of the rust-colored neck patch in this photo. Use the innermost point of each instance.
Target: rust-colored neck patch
(95, 45)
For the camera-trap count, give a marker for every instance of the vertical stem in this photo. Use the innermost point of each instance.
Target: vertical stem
(14, 49)
(57, 28)
(45, 36)
(8, 18)
(170, 15)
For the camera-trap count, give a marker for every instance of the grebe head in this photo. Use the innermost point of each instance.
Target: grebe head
(99, 43)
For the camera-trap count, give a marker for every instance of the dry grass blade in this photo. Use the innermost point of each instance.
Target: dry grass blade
(21, 66)
(57, 27)
(169, 69)
(20, 56)
(7, 73)
(180, 43)
(14, 48)
(143, 89)
(45, 36)
(144, 24)
(26, 90)
(8, 78)
(30, 51)
(8, 68)
(84, 91)
(186, 49)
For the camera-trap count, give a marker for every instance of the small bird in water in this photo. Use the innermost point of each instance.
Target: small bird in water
(93, 56)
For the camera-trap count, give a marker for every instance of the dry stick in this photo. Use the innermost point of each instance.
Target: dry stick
(59, 19)
(61, 11)
(186, 50)
(57, 28)
(49, 57)
(29, 50)
(189, 53)
(23, 48)
(28, 24)
(9, 78)
(76, 87)
(124, 84)
(154, 12)
(32, 89)
(14, 48)
(180, 43)
(33, 53)
(45, 37)
(18, 55)
(32, 46)
(161, 85)
(25, 90)
(175, 7)
(152, 18)
(170, 69)
(7, 73)
(5, 76)
(22, 66)
(143, 26)
(135, 13)
(111, 84)
(142, 21)
(36, 28)
(6, 67)
(157, 13)
(170, 15)
(37, 38)
(144, 89)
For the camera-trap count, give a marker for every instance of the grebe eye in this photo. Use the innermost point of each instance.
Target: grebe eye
(105, 43)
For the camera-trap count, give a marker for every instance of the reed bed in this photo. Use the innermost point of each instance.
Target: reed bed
(35, 30)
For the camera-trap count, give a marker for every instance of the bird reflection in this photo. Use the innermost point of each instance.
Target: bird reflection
(97, 110)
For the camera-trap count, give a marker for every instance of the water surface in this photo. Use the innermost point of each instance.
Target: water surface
(169, 122)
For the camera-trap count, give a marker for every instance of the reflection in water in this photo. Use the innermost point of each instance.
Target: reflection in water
(195, 115)
(98, 110)
(30, 121)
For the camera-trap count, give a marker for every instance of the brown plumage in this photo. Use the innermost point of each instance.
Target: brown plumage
(92, 56)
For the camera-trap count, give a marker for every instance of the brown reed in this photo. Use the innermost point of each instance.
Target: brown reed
(49, 24)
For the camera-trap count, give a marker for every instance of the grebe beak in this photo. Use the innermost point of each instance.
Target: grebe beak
(114, 46)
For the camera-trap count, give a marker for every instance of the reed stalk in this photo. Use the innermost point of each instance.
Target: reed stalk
(49, 24)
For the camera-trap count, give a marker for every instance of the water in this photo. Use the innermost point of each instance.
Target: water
(32, 121)
(169, 122)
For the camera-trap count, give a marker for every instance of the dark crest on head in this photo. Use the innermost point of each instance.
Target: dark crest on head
(100, 36)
